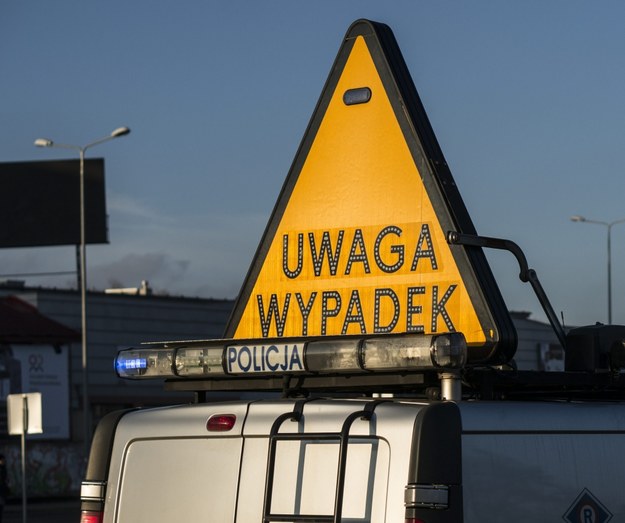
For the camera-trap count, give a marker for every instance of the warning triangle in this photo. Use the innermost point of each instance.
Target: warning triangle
(356, 243)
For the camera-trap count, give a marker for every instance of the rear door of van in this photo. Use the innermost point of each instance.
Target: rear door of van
(175, 464)
(389, 454)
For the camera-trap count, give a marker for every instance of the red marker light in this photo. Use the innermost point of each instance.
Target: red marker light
(88, 516)
(221, 422)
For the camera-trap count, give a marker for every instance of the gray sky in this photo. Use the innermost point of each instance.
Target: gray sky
(526, 98)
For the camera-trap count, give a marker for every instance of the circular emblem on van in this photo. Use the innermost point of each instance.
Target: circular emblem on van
(587, 509)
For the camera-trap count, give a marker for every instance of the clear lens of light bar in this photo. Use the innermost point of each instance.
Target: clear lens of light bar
(414, 352)
(397, 353)
(333, 356)
(449, 351)
(197, 362)
(145, 363)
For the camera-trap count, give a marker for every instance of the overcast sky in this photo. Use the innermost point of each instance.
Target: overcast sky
(527, 100)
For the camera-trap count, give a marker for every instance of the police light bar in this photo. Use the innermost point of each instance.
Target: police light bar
(221, 359)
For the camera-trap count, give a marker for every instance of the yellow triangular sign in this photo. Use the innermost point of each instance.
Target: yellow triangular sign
(357, 241)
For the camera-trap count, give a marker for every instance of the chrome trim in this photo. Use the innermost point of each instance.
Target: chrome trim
(92, 490)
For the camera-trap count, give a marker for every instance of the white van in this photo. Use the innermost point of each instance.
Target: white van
(554, 454)
(360, 460)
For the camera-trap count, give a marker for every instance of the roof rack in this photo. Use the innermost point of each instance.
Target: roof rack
(492, 383)
(476, 383)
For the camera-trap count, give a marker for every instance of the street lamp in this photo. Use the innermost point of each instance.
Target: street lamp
(609, 226)
(44, 142)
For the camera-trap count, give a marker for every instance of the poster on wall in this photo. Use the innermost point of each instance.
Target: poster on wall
(44, 369)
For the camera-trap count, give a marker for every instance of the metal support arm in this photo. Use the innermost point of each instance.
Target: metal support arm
(526, 274)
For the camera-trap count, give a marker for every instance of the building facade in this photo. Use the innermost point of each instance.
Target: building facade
(53, 366)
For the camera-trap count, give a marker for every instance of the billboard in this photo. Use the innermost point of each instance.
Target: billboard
(40, 203)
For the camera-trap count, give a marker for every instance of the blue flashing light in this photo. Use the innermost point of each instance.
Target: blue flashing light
(135, 363)
(131, 366)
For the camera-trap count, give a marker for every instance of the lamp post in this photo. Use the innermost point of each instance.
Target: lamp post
(44, 142)
(609, 226)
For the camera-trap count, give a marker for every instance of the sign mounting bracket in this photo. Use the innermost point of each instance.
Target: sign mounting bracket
(526, 274)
